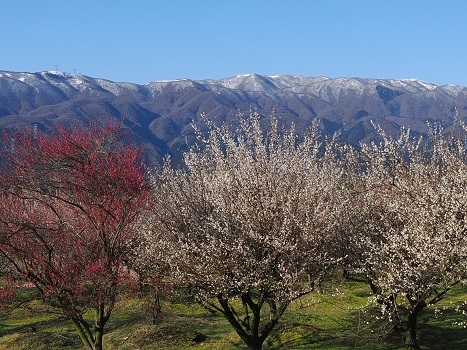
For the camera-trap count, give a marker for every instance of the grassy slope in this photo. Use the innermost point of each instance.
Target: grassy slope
(343, 318)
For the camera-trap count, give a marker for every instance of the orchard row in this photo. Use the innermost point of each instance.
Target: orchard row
(252, 218)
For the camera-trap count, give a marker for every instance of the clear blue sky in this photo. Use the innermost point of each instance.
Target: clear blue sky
(145, 40)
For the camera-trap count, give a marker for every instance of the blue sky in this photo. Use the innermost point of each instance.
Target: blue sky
(142, 40)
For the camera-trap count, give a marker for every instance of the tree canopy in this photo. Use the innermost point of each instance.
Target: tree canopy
(69, 203)
(250, 217)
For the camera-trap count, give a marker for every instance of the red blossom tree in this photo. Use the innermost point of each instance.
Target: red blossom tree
(69, 205)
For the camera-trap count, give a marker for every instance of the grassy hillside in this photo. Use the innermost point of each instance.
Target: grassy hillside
(342, 318)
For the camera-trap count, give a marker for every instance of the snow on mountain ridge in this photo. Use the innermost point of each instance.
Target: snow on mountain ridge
(246, 82)
(179, 84)
(163, 111)
(328, 89)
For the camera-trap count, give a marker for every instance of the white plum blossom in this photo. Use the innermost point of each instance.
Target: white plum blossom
(249, 218)
(407, 224)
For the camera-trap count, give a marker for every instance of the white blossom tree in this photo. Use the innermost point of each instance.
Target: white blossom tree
(247, 226)
(407, 223)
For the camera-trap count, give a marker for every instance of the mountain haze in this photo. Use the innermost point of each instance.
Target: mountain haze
(161, 112)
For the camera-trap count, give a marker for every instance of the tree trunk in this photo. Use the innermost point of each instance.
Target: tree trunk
(83, 334)
(410, 334)
(100, 319)
(92, 336)
(249, 335)
(90, 341)
(156, 306)
(98, 339)
(254, 343)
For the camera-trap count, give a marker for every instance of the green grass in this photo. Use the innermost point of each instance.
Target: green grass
(343, 318)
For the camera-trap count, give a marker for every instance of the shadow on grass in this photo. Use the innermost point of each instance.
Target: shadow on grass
(53, 333)
(442, 338)
(364, 331)
(324, 325)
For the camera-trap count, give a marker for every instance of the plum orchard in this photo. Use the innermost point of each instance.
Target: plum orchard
(69, 204)
(252, 221)
(251, 214)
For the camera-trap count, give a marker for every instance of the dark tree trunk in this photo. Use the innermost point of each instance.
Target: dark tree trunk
(410, 334)
(249, 327)
(92, 336)
(248, 334)
(156, 307)
(408, 329)
(254, 344)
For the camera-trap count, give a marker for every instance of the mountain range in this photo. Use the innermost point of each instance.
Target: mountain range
(160, 113)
